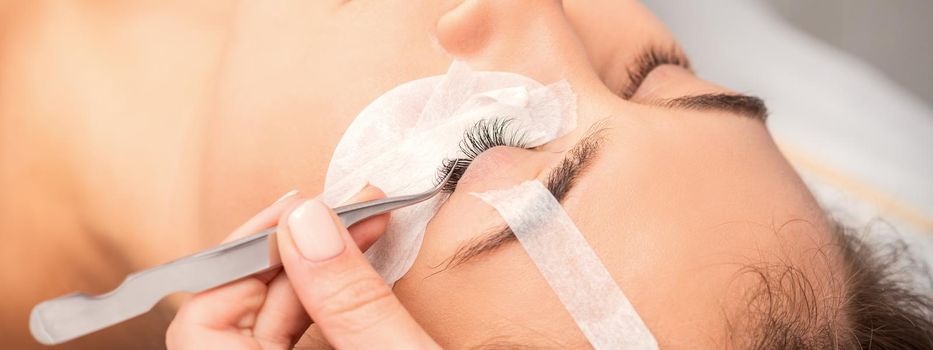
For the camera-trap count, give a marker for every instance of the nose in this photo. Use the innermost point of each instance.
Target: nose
(532, 38)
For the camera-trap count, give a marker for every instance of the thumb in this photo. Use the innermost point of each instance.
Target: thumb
(350, 303)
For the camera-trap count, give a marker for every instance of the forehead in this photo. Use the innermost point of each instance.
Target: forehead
(665, 173)
(678, 202)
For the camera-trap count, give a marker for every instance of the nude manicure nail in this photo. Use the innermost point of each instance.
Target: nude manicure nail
(313, 231)
(285, 196)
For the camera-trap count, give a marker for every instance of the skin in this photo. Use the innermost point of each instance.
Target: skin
(675, 205)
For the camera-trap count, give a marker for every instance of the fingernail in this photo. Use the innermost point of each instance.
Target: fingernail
(314, 232)
(285, 196)
(356, 198)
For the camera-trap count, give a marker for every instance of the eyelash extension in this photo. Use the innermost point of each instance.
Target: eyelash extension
(652, 57)
(482, 136)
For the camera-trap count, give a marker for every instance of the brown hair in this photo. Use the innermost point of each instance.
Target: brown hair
(882, 304)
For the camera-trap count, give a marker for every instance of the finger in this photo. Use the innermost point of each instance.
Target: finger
(263, 220)
(234, 305)
(282, 319)
(366, 232)
(345, 297)
(205, 319)
(207, 308)
(266, 218)
(279, 317)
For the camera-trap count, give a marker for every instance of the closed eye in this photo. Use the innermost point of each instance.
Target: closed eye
(651, 57)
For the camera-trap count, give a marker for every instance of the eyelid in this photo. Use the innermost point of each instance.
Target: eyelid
(667, 82)
(480, 137)
(651, 58)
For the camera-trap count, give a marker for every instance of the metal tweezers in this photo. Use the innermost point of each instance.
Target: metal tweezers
(74, 315)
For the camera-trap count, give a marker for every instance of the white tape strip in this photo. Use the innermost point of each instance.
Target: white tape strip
(570, 267)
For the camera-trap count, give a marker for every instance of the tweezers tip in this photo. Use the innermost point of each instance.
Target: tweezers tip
(454, 170)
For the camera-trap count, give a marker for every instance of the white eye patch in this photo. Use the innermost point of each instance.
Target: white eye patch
(398, 142)
(570, 266)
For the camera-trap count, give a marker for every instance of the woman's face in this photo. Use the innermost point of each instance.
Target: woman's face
(682, 191)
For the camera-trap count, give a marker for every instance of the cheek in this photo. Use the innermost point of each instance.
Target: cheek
(496, 297)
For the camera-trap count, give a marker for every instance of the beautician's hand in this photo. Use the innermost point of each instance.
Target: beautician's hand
(325, 276)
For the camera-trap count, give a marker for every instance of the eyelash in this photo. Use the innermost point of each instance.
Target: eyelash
(651, 58)
(482, 136)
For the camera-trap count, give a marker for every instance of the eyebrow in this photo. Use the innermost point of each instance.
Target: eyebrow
(742, 105)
